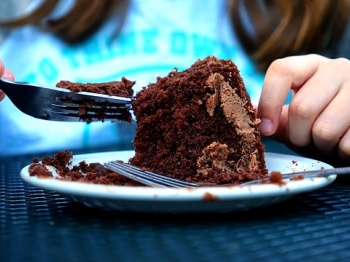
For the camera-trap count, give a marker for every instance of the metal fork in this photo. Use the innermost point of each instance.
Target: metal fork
(146, 177)
(157, 180)
(59, 104)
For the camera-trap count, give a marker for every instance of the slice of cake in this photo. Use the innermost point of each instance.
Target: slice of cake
(90, 110)
(199, 125)
(114, 88)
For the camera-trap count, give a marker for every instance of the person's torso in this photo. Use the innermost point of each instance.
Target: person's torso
(157, 37)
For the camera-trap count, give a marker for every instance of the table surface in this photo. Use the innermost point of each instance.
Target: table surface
(36, 225)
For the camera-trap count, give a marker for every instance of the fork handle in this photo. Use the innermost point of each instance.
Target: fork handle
(320, 173)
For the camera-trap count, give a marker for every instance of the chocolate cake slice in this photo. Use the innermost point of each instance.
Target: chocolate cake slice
(114, 88)
(199, 125)
(91, 109)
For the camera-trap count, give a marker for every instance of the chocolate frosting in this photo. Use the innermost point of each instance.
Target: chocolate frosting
(234, 109)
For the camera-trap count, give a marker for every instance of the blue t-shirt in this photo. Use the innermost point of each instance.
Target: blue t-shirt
(157, 36)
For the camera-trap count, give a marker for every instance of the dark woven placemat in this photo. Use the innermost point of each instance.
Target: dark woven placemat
(37, 225)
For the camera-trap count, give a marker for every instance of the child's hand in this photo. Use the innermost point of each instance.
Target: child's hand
(319, 112)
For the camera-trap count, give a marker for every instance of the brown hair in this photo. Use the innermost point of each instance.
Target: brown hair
(273, 29)
(84, 17)
(267, 29)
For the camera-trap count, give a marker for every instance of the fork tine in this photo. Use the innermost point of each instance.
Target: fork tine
(157, 177)
(72, 106)
(147, 177)
(61, 113)
(69, 115)
(37, 101)
(111, 112)
(75, 109)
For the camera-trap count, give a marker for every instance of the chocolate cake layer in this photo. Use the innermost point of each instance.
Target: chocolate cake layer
(114, 88)
(199, 125)
(90, 109)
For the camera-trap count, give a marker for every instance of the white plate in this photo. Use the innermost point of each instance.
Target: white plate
(171, 200)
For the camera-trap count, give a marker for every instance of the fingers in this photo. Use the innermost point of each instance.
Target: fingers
(282, 75)
(343, 149)
(7, 74)
(2, 70)
(282, 133)
(333, 122)
(318, 104)
(318, 113)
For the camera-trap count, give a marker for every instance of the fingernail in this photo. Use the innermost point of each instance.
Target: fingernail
(266, 126)
(8, 76)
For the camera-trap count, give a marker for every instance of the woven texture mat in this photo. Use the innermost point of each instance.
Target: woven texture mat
(37, 225)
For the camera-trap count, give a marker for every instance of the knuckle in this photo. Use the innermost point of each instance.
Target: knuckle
(279, 67)
(301, 109)
(343, 62)
(325, 133)
(339, 65)
(297, 141)
(344, 148)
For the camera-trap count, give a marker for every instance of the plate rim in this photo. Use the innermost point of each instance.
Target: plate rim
(229, 193)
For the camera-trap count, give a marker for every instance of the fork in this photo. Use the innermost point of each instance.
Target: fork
(147, 177)
(59, 104)
(157, 180)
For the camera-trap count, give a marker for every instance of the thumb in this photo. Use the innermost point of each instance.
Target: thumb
(8, 75)
(281, 133)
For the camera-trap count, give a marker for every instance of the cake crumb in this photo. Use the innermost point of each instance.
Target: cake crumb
(276, 177)
(39, 170)
(208, 197)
